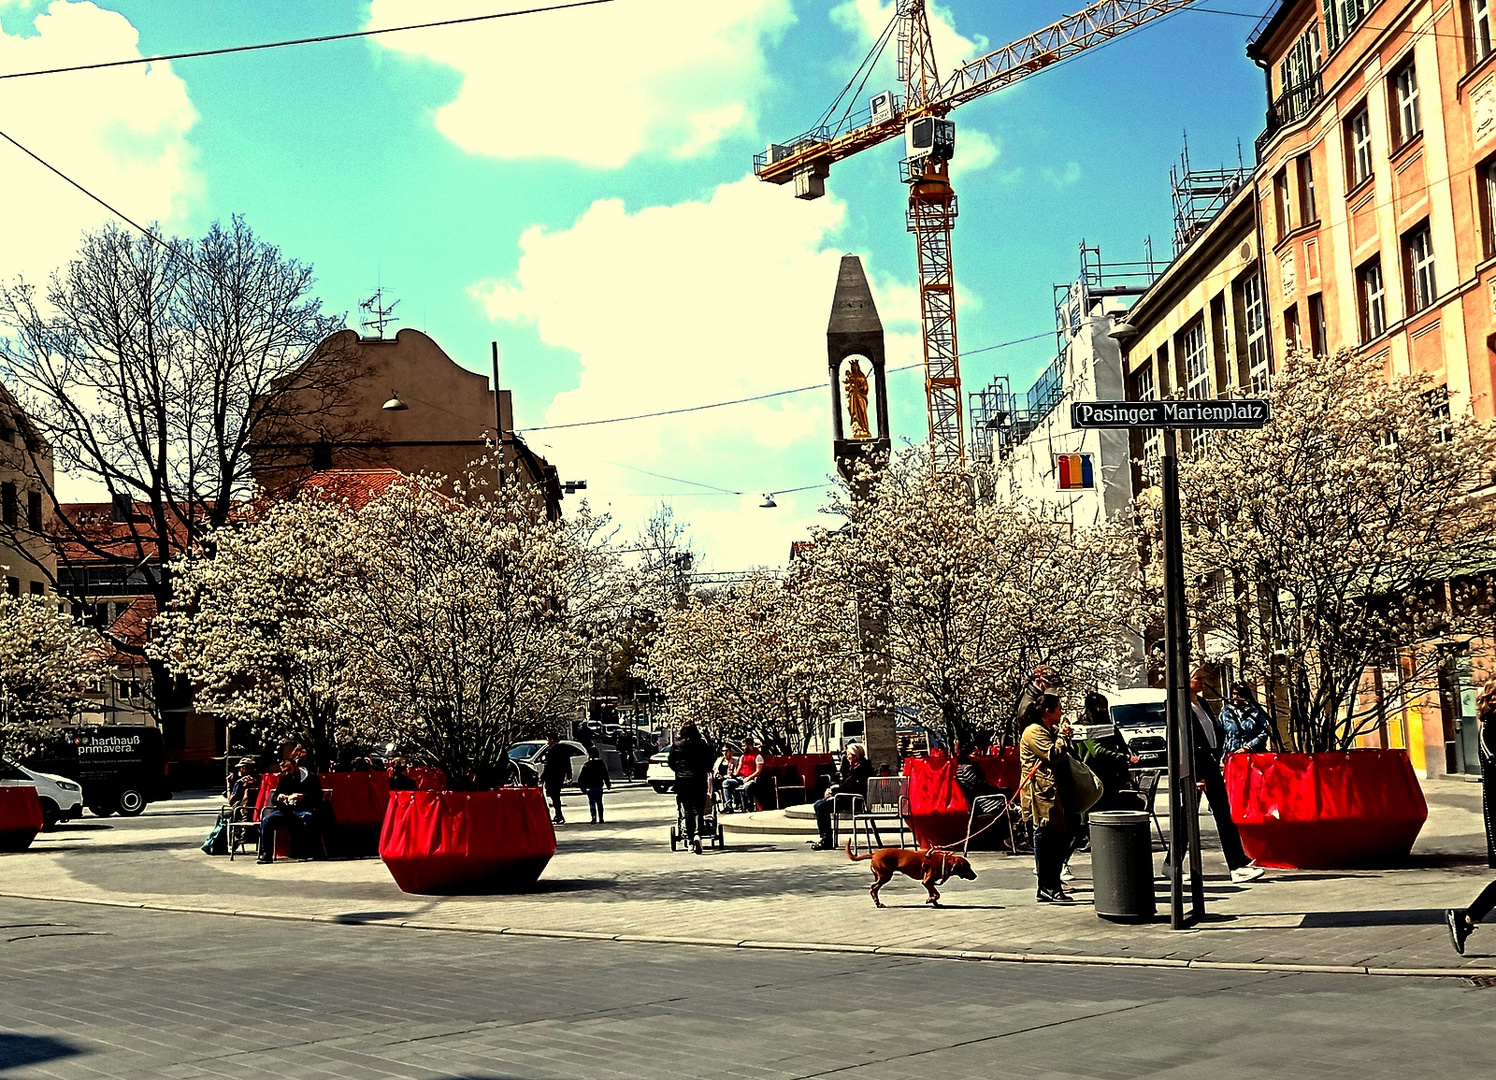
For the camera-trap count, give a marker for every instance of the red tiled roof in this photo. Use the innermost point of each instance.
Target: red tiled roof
(356, 487)
(94, 536)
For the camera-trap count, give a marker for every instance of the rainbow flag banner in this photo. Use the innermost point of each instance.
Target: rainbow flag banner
(1075, 471)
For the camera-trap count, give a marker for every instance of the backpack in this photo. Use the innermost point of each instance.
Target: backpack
(217, 841)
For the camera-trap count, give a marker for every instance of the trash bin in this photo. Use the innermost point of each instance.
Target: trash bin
(1122, 865)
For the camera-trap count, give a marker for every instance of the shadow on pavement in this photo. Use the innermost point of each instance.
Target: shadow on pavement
(1391, 917)
(19, 1050)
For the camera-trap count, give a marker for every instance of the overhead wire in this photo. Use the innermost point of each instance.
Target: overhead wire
(319, 39)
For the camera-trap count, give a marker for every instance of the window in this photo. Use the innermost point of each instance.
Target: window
(1254, 323)
(13, 586)
(38, 589)
(10, 507)
(1418, 260)
(1358, 144)
(1480, 30)
(1298, 77)
(1436, 401)
(1143, 389)
(1308, 206)
(1342, 17)
(1291, 336)
(1373, 300)
(1196, 362)
(1407, 121)
(1281, 205)
(1318, 339)
(34, 511)
(1486, 187)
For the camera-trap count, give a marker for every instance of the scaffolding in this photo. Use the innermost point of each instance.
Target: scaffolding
(1201, 194)
(1001, 419)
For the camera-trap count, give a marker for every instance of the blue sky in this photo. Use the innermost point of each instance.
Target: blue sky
(575, 185)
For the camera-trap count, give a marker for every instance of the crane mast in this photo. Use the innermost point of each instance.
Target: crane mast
(930, 138)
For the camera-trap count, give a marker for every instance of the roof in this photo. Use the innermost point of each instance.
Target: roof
(92, 533)
(124, 642)
(356, 487)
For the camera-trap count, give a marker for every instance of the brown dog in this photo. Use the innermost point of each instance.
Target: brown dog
(929, 868)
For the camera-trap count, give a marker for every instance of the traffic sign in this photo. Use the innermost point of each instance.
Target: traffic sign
(1174, 413)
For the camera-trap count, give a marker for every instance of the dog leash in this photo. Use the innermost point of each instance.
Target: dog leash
(962, 843)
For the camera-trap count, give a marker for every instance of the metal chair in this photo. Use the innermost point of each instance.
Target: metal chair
(1148, 789)
(887, 801)
(997, 806)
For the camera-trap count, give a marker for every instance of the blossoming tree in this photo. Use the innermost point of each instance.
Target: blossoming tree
(1338, 535)
(261, 628)
(46, 659)
(767, 658)
(980, 591)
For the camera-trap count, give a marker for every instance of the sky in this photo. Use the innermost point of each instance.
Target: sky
(577, 185)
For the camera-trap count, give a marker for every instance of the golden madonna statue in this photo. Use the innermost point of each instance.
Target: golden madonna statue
(856, 384)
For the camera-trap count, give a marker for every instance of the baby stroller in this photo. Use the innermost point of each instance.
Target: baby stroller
(708, 826)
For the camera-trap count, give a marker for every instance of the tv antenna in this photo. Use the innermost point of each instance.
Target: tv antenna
(379, 313)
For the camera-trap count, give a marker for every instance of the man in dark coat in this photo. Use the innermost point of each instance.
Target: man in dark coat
(691, 761)
(297, 799)
(555, 772)
(1207, 775)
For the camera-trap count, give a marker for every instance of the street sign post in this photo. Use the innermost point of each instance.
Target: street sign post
(1184, 799)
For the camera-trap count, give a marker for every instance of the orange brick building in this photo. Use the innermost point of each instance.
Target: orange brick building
(1368, 222)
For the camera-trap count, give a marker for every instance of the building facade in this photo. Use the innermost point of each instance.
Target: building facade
(27, 560)
(1369, 222)
(390, 403)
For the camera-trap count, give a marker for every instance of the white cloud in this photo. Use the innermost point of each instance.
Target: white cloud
(868, 18)
(673, 306)
(122, 133)
(598, 86)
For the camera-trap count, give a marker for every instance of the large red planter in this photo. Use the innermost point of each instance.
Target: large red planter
(20, 816)
(1326, 811)
(467, 841)
(801, 770)
(357, 800)
(938, 810)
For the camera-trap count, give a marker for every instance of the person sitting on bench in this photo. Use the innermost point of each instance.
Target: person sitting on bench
(856, 771)
(298, 797)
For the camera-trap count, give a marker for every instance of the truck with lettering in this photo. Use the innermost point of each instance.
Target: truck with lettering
(122, 768)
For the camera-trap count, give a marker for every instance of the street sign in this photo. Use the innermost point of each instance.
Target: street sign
(1174, 413)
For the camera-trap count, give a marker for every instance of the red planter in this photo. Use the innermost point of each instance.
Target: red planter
(1326, 811)
(20, 816)
(938, 810)
(802, 770)
(467, 842)
(358, 803)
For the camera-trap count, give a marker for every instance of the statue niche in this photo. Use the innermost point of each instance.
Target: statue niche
(857, 389)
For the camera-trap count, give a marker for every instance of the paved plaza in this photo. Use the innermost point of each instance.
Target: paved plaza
(129, 953)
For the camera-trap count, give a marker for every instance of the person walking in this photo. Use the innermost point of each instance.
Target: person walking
(625, 745)
(1044, 742)
(592, 779)
(555, 772)
(1246, 727)
(1485, 746)
(1207, 775)
(690, 759)
(1105, 753)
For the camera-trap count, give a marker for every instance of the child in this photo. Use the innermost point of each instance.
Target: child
(593, 779)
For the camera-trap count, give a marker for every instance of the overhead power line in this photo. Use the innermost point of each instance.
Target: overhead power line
(318, 40)
(756, 397)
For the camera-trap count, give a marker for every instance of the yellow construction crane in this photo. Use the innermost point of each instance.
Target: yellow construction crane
(930, 141)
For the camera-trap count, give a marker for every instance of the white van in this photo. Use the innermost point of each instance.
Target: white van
(1140, 719)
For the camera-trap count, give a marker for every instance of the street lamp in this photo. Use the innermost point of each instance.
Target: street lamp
(394, 404)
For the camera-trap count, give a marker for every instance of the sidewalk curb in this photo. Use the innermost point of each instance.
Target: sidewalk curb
(966, 955)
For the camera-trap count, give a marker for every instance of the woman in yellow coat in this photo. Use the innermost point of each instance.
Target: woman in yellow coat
(1045, 740)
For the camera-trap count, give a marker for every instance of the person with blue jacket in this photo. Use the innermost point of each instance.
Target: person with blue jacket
(1246, 726)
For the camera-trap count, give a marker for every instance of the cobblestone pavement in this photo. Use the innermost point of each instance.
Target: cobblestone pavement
(88, 992)
(621, 880)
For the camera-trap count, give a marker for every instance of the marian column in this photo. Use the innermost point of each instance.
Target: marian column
(854, 337)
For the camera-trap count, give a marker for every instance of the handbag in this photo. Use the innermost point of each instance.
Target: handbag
(1083, 787)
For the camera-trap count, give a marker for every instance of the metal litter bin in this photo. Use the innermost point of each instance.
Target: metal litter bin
(1122, 865)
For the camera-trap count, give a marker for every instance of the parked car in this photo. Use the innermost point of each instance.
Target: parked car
(121, 768)
(660, 775)
(61, 798)
(1139, 716)
(530, 755)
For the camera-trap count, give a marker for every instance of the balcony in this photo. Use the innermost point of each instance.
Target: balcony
(1293, 105)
